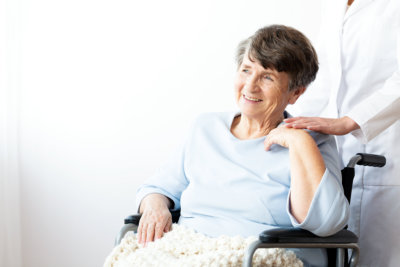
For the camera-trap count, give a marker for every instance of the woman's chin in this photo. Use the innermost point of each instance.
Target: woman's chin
(251, 113)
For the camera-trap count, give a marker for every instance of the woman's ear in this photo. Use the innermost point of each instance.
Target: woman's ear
(295, 94)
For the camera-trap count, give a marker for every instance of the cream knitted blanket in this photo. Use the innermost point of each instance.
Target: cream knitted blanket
(184, 247)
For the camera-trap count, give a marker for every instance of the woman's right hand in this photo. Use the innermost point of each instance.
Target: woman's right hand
(156, 218)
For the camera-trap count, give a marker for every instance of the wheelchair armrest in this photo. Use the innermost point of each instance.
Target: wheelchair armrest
(133, 219)
(299, 238)
(296, 235)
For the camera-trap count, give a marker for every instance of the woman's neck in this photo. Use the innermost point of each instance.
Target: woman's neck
(250, 128)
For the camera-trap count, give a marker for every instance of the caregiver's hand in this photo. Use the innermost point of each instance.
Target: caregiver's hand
(156, 218)
(340, 126)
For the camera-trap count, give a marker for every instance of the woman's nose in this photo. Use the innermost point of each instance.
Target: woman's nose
(251, 84)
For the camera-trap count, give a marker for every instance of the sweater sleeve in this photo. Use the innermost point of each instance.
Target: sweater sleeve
(169, 180)
(329, 209)
(381, 109)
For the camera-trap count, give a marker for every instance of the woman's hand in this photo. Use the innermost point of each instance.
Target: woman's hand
(156, 218)
(340, 126)
(282, 136)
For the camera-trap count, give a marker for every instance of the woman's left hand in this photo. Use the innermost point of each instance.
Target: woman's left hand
(340, 126)
(282, 136)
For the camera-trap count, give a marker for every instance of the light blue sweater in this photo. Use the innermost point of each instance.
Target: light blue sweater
(227, 186)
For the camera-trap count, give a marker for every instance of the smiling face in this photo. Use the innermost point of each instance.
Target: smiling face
(262, 93)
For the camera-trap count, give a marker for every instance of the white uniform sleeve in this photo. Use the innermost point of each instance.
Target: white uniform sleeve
(381, 109)
(329, 209)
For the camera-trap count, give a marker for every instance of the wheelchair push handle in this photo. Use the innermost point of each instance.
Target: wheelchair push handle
(366, 159)
(372, 160)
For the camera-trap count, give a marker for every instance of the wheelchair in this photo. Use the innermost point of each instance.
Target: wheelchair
(337, 245)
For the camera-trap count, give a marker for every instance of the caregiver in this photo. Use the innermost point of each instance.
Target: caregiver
(357, 91)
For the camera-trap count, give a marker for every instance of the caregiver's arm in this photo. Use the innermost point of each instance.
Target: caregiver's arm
(307, 167)
(368, 118)
(381, 109)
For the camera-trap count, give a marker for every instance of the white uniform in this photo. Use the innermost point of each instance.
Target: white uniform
(360, 77)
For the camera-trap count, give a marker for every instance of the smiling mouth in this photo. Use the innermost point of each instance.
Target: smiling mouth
(252, 99)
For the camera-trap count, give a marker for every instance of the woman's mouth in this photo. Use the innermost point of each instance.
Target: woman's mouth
(252, 98)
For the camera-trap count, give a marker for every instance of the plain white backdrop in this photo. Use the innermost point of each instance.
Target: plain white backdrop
(99, 93)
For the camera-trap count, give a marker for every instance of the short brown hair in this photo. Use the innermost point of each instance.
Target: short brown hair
(284, 49)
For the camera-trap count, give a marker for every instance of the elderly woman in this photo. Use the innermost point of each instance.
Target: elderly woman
(240, 173)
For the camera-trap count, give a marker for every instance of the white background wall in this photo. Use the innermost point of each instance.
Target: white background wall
(107, 89)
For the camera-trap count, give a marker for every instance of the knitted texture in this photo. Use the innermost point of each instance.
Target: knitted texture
(184, 247)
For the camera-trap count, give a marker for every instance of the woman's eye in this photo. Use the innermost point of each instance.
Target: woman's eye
(245, 70)
(268, 78)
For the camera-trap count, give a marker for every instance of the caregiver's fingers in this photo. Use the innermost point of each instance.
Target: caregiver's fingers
(339, 126)
(293, 119)
(304, 125)
(324, 128)
(329, 126)
(322, 125)
(302, 122)
(299, 120)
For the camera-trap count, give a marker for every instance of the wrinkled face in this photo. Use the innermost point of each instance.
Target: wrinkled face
(262, 92)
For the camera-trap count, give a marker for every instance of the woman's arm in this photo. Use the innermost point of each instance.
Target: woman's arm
(316, 201)
(159, 193)
(306, 167)
(162, 192)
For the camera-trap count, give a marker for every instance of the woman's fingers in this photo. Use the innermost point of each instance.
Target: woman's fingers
(270, 140)
(277, 136)
(283, 136)
(150, 233)
(167, 227)
(142, 232)
(152, 225)
(165, 223)
(139, 233)
(159, 230)
(156, 217)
